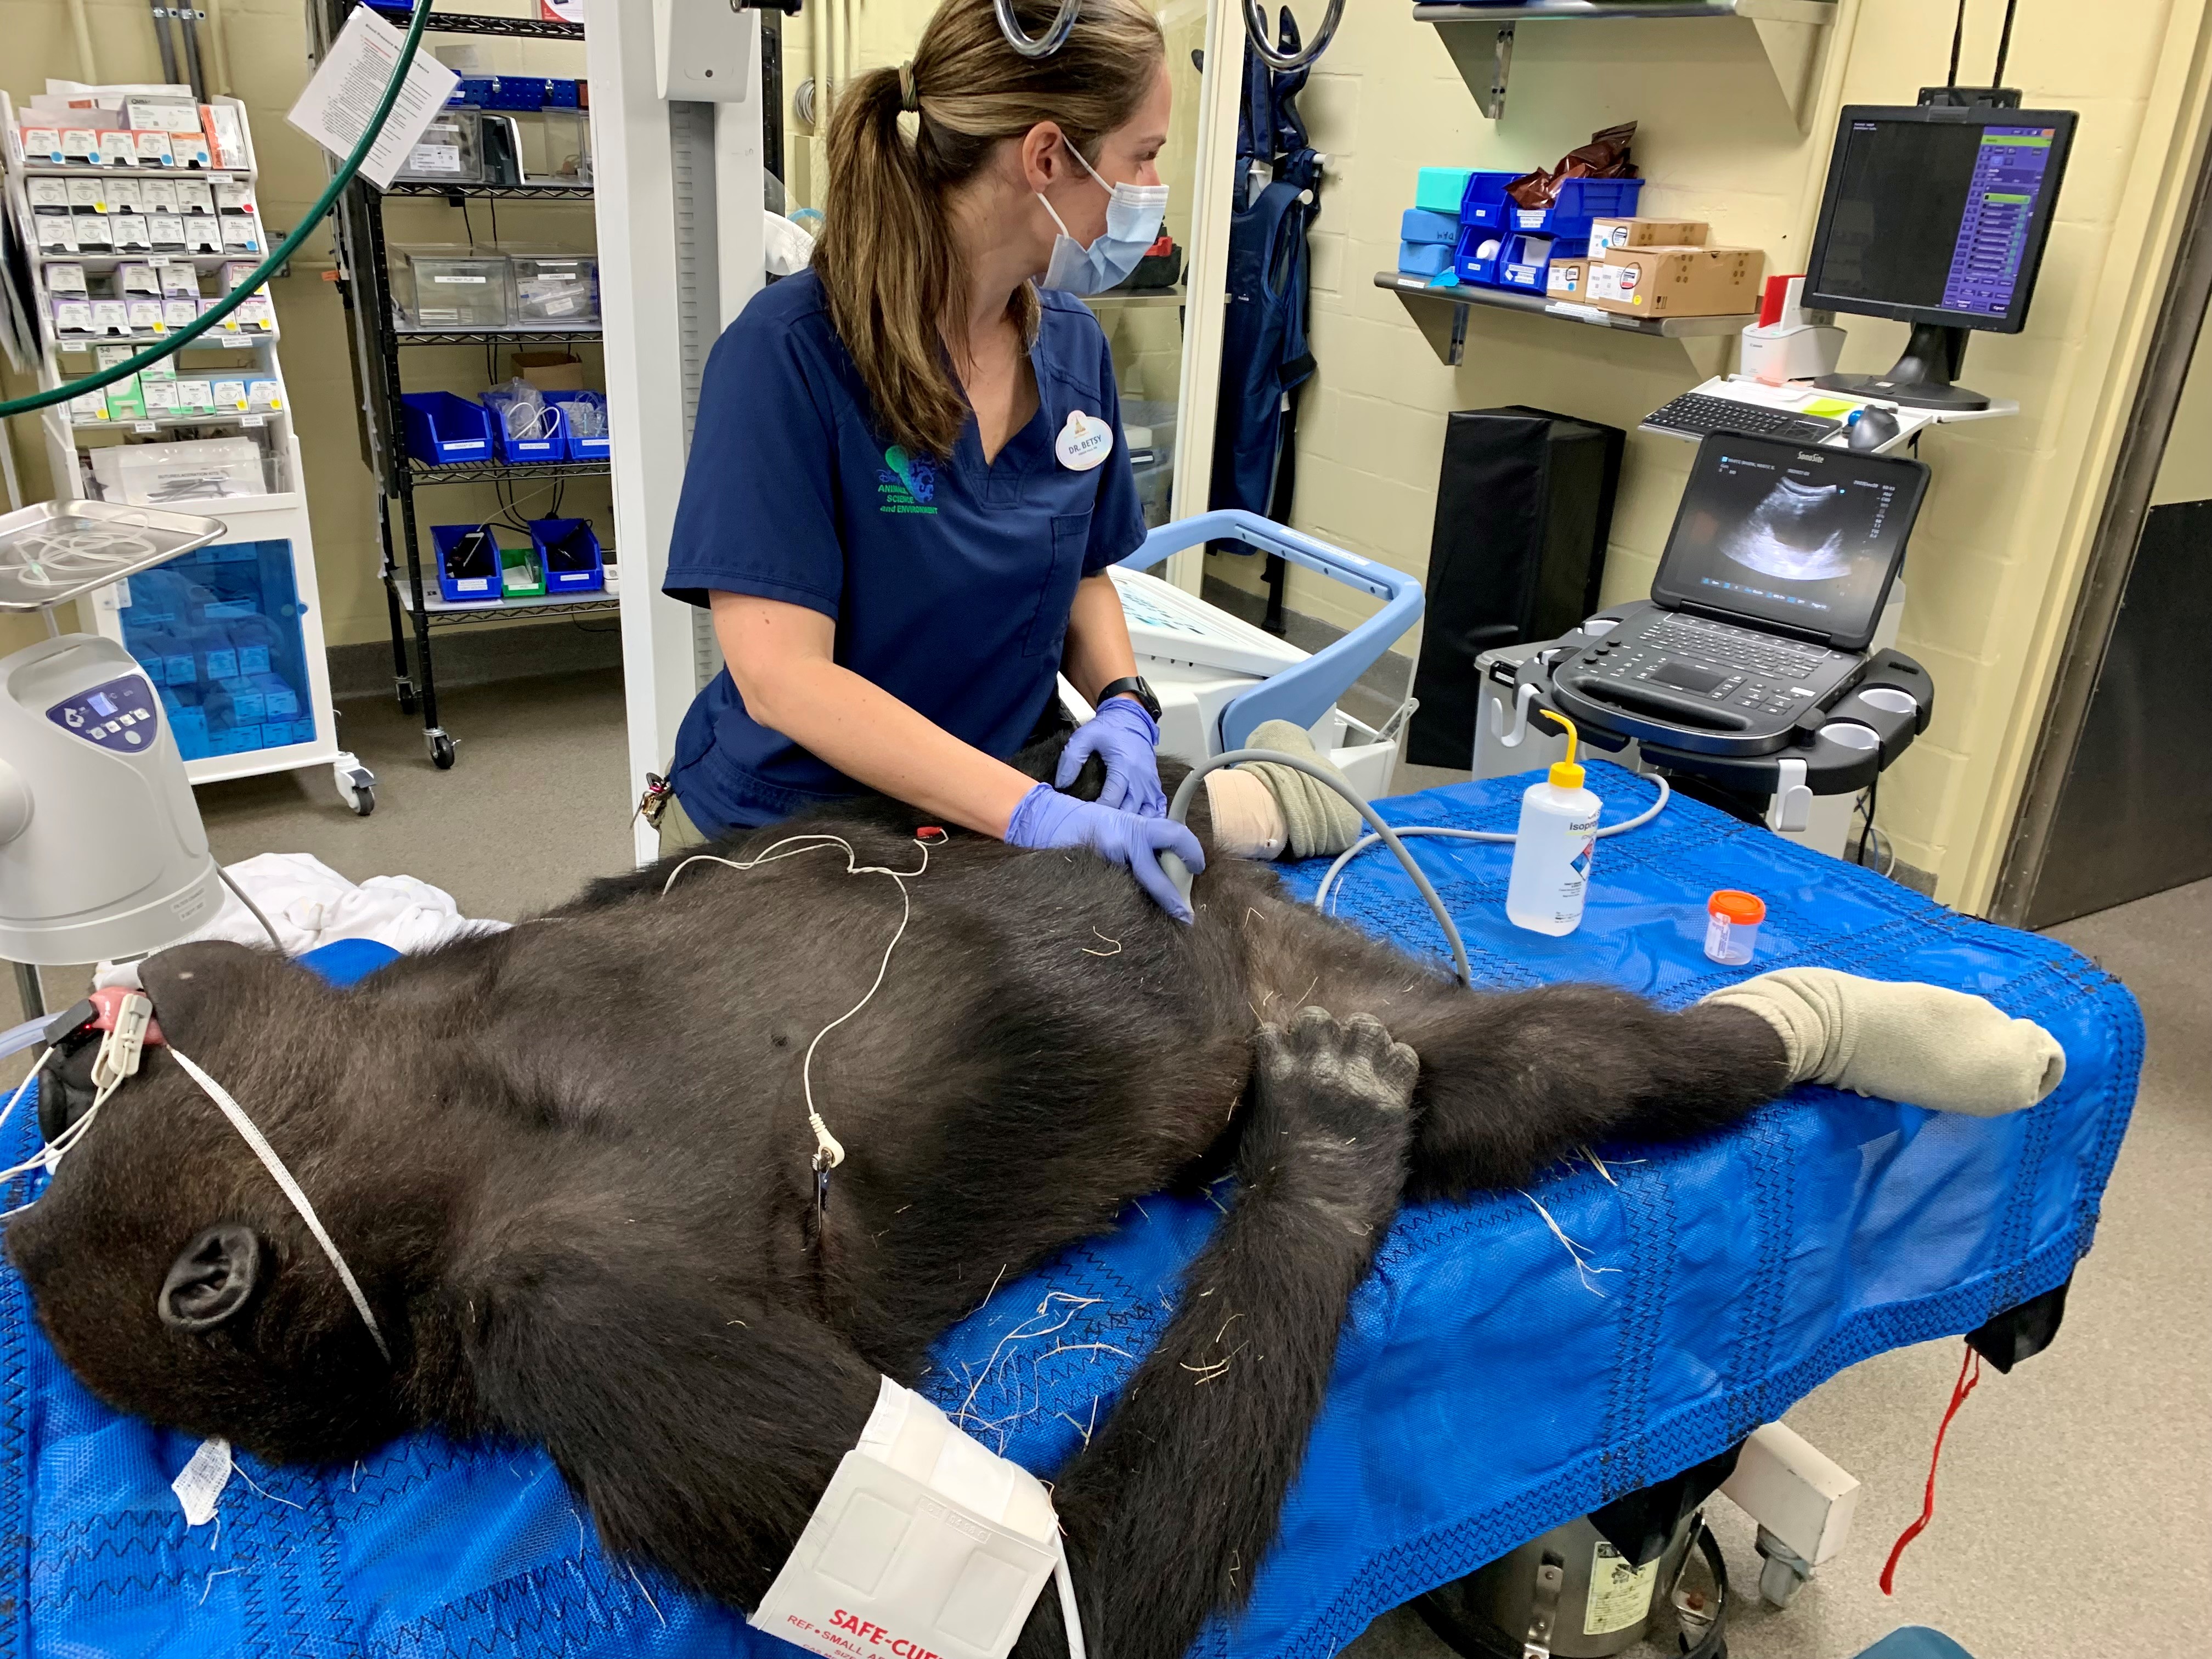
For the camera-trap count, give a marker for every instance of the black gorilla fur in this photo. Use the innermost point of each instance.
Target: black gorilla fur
(569, 1164)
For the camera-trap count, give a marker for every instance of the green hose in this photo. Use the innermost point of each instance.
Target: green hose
(284, 251)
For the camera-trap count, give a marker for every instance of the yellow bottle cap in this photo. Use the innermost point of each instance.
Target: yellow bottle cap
(1566, 775)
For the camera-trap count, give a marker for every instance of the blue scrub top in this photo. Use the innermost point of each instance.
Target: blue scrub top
(950, 581)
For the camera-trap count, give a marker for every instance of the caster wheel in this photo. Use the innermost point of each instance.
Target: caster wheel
(357, 785)
(441, 750)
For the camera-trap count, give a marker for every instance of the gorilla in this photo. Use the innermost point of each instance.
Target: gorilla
(571, 1167)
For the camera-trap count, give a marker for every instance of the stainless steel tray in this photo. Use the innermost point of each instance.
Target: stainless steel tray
(58, 551)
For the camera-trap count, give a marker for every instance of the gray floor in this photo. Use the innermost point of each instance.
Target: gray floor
(2074, 1510)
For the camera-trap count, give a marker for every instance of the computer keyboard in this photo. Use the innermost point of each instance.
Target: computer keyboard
(1697, 416)
(1765, 653)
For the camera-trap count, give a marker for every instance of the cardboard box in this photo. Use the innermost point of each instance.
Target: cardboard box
(550, 371)
(1568, 279)
(1646, 233)
(1677, 281)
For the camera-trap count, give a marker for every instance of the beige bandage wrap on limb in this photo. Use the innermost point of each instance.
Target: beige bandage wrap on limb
(1299, 813)
(1946, 1050)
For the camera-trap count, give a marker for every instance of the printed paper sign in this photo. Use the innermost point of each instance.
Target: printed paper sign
(336, 108)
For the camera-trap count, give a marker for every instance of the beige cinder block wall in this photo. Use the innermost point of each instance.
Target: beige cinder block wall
(2186, 473)
(1992, 569)
(265, 43)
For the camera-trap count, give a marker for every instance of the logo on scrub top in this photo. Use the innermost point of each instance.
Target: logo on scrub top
(907, 483)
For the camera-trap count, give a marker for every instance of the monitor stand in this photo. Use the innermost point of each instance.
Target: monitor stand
(1921, 379)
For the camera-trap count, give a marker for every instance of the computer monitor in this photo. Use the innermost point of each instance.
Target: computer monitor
(1808, 539)
(1936, 216)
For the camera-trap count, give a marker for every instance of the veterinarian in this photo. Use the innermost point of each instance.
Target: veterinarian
(908, 474)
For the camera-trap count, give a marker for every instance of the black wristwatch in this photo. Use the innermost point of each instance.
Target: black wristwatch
(1135, 686)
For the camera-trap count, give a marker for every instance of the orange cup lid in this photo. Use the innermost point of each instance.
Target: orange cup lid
(1745, 908)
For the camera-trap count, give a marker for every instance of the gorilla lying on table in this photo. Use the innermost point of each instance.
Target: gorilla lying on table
(570, 1166)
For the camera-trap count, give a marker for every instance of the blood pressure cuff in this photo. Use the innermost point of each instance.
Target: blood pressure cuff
(925, 1544)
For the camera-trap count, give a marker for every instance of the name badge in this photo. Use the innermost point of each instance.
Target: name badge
(1084, 442)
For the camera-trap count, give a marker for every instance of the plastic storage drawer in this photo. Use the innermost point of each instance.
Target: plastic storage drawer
(469, 560)
(569, 553)
(443, 429)
(1484, 201)
(458, 289)
(555, 290)
(1579, 202)
(584, 446)
(539, 440)
(1467, 258)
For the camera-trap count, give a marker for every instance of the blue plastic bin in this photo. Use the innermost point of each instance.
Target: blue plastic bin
(1526, 259)
(516, 91)
(549, 444)
(1484, 201)
(1426, 225)
(569, 555)
(1424, 258)
(443, 429)
(476, 587)
(1439, 189)
(582, 448)
(1580, 200)
(1468, 263)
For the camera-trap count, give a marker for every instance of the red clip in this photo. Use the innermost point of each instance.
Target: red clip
(107, 1001)
(930, 835)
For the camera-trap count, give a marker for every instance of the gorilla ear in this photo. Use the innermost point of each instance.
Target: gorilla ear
(212, 1278)
(196, 987)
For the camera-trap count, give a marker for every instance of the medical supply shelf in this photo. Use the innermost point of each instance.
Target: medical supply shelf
(1411, 291)
(430, 472)
(1479, 35)
(423, 337)
(442, 611)
(231, 637)
(504, 192)
(413, 603)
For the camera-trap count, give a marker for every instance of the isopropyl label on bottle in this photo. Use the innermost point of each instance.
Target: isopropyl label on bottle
(1619, 1594)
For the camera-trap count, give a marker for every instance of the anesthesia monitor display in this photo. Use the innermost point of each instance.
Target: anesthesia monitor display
(1936, 216)
(1809, 540)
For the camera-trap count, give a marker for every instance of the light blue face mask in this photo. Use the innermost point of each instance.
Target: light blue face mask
(1133, 213)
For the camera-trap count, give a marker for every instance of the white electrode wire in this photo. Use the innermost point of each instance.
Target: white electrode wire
(829, 1153)
(1330, 877)
(49, 1157)
(261, 1148)
(238, 892)
(1069, 1615)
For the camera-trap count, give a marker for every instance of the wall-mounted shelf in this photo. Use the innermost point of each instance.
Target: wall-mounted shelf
(539, 192)
(443, 612)
(1480, 37)
(1441, 314)
(422, 337)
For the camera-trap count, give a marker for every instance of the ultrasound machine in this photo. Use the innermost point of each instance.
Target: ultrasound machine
(1750, 668)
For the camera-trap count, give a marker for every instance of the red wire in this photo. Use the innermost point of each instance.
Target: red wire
(1960, 1390)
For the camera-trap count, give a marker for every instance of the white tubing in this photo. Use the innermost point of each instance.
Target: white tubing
(1329, 876)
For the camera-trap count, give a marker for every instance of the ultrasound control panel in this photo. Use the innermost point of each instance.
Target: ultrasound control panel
(1698, 682)
(122, 715)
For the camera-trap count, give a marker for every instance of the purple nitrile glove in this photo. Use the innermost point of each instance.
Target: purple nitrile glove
(1124, 736)
(1047, 818)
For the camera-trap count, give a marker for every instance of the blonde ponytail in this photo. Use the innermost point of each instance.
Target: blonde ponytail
(888, 263)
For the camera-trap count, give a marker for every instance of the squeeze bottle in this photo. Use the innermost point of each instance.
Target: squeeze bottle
(1552, 854)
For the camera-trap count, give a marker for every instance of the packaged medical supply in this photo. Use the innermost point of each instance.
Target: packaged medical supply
(195, 395)
(1732, 920)
(40, 143)
(47, 195)
(1553, 849)
(1567, 279)
(81, 146)
(117, 149)
(166, 232)
(189, 149)
(265, 391)
(1677, 281)
(56, 233)
(145, 314)
(561, 289)
(1647, 233)
(96, 232)
(110, 317)
(225, 136)
(64, 276)
(238, 232)
(228, 196)
(177, 310)
(159, 196)
(124, 400)
(924, 1543)
(155, 474)
(154, 149)
(230, 396)
(180, 280)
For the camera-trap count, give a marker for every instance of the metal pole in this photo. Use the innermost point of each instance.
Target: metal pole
(27, 988)
(188, 24)
(168, 47)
